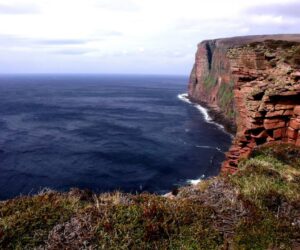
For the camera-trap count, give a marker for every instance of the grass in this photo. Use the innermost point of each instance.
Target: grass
(157, 223)
(225, 97)
(288, 51)
(269, 182)
(274, 44)
(292, 57)
(209, 83)
(26, 221)
(256, 208)
(266, 175)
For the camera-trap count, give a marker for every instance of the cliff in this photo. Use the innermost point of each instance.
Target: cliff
(254, 82)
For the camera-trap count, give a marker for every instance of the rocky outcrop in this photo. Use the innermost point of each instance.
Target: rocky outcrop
(255, 83)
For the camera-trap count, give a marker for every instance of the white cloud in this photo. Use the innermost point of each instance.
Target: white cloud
(141, 49)
(121, 35)
(119, 5)
(20, 9)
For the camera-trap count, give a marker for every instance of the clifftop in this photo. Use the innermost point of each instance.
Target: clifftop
(256, 208)
(242, 40)
(254, 82)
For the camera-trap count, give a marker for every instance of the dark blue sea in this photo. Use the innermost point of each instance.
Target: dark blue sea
(104, 133)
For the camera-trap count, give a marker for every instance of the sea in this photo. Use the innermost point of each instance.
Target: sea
(131, 133)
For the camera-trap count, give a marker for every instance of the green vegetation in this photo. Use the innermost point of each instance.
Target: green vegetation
(256, 208)
(157, 223)
(279, 50)
(209, 83)
(225, 97)
(26, 221)
(270, 183)
(274, 44)
(292, 57)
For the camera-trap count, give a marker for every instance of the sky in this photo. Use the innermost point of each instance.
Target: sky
(128, 36)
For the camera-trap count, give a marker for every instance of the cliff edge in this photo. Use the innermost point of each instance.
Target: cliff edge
(254, 83)
(258, 207)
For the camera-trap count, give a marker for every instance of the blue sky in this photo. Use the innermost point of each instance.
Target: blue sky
(128, 36)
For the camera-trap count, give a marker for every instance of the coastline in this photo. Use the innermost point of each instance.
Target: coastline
(211, 114)
(218, 117)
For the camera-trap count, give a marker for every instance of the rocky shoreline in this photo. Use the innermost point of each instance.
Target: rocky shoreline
(217, 116)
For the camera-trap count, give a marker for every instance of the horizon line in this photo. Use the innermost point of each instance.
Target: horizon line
(108, 74)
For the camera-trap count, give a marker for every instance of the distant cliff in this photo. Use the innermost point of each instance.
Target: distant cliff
(254, 82)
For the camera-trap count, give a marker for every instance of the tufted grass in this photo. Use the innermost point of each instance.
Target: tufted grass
(256, 208)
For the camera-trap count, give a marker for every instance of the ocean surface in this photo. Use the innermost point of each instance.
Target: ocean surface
(104, 133)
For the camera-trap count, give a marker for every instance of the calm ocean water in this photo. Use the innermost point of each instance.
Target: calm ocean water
(130, 133)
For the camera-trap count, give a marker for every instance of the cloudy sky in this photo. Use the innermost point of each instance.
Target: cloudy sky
(128, 36)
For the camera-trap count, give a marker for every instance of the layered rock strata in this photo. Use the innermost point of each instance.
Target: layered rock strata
(255, 83)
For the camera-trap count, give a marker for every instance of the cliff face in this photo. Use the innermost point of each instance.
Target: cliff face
(255, 83)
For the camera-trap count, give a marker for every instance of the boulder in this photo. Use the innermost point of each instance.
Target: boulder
(297, 110)
(274, 123)
(292, 133)
(295, 123)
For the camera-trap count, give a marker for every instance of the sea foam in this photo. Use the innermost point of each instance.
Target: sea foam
(196, 181)
(184, 97)
(203, 111)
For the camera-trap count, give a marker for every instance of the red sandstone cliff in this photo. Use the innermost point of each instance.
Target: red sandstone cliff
(254, 82)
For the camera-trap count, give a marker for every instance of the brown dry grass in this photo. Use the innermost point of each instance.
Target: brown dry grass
(257, 208)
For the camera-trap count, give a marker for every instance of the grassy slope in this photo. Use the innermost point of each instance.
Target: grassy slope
(257, 208)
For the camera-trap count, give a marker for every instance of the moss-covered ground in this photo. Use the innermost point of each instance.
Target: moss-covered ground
(256, 208)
